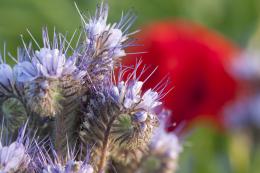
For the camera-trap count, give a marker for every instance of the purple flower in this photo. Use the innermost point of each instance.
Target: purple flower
(69, 167)
(98, 23)
(55, 164)
(6, 78)
(141, 106)
(111, 36)
(105, 43)
(166, 143)
(15, 157)
(140, 116)
(25, 71)
(51, 61)
(164, 146)
(149, 100)
(129, 95)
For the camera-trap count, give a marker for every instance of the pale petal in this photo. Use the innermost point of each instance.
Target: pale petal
(25, 71)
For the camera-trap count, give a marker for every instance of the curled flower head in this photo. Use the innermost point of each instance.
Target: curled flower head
(138, 119)
(48, 74)
(130, 96)
(105, 43)
(128, 93)
(98, 23)
(128, 112)
(140, 105)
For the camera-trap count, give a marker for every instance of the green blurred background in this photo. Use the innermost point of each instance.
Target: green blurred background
(234, 18)
(206, 150)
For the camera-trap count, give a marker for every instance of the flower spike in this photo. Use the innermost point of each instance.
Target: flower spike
(105, 43)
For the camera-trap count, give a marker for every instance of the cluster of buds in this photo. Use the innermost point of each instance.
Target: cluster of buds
(79, 96)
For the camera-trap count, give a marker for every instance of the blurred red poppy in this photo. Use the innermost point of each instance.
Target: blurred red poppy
(194, 57)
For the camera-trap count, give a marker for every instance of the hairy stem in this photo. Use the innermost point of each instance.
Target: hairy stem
(65, 127)
(66, 120)
(60, 133)
(105, 147)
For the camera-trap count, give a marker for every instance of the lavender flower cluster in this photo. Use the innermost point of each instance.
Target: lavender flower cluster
(79, 96)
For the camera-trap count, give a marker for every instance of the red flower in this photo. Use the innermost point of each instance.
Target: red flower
(194, 57)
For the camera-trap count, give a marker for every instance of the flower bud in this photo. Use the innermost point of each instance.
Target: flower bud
(140, 116)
